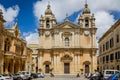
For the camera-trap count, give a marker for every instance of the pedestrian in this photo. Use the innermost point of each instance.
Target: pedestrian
(51, 74)
(78, 75)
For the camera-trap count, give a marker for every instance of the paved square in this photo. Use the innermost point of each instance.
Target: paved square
(62, 77)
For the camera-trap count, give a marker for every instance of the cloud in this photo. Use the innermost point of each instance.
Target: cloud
(101, 8)
(61, 7)
(104, 20)
(10, 13)
(31, 37)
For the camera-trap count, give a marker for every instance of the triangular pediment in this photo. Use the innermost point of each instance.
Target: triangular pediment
(67, 25)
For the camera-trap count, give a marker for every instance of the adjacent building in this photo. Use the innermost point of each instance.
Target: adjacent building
(67, 48)
(109, 48)
(13, 50)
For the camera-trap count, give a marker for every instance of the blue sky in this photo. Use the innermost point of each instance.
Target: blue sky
(28, 13)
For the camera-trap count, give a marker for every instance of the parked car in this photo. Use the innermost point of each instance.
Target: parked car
(114, 76)
(108, 73)
(40, 75)
(7, 77)
(25, 75)
(1, 77)
(34, 75)
(16, 76)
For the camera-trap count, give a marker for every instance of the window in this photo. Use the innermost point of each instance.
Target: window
(103, 47)
(100, 49)
(107, 58)
(111, 57)
(111, 42)
(66, 42)
(103, 59)
(118, 54)
(86, 22)
(7, 45)
(117, 38)
(107, 45)
(48, 23)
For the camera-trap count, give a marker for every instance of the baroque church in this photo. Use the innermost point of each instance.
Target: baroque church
(67, 48)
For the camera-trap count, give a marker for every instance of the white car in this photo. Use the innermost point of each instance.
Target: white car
(5, 77)
(107, 73)
(25, 74)
(40, 75)
(1, 77)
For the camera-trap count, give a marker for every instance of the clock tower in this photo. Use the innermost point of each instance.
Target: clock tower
(86, 22)
(47, 22)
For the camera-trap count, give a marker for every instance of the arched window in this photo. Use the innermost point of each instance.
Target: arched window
(7, 45)
(66, 42)
(86, 22)
(47, 23)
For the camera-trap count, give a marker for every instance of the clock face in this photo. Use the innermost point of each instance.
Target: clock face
(86, 32)
(47, 33)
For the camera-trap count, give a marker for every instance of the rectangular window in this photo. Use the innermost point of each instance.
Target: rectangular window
(107, 45)
(103, 47)
(111, 57)
(107, 58)
(111, 42)
(103, 59)
(100, 50)
(117, 38)
(116, 55)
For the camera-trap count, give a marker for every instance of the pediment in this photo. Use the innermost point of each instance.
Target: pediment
(67, 25)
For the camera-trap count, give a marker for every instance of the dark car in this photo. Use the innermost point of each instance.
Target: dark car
(34, 75)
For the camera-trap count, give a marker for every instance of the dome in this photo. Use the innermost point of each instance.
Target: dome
(48, 10)
(86, 9)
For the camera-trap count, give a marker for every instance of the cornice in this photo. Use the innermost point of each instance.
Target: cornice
(113, 27)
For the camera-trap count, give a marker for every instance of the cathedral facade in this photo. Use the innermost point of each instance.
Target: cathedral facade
(67, 48)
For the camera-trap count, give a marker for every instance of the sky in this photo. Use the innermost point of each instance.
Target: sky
(28, 13)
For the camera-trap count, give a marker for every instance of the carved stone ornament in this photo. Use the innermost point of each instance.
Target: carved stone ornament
(66, 58)
(67, 34)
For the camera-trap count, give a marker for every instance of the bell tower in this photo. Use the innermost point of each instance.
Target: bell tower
(86, 22)
(47, 23)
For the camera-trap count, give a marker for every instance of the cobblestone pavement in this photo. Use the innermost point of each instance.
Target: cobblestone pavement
(62, 77)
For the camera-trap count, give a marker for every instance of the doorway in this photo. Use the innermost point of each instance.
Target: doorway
(66, 68)
(86, 68)
(47, 68)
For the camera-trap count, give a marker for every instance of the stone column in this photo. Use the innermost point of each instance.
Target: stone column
(40, 61)
(6, 67)
(75, 63)
(13, 66)
(78, 62)
(58, 63)
(55, 64)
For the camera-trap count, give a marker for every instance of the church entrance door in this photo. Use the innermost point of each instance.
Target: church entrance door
(47, 68)
(86, 68)
(66, 68)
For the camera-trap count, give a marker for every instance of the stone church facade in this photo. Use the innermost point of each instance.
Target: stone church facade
(67, 48)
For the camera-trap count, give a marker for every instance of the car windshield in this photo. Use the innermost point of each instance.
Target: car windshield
(109, 72)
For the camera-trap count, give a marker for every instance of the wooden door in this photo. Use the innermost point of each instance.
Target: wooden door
(66, 68)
